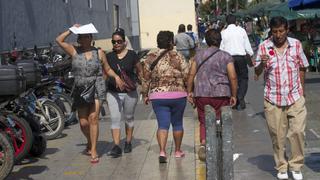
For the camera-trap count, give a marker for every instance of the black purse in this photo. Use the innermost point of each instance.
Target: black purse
(88, 93)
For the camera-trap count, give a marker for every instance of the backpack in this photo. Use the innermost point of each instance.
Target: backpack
(192, 36)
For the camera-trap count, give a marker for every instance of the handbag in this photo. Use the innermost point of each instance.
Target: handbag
(129, 85)
(88, 93)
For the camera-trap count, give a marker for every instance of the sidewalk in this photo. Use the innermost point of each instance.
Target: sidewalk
(64, 158)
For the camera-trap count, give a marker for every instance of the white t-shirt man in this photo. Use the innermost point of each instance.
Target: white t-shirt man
(235, 41)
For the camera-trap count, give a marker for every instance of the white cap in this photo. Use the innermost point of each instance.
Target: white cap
(84, 29)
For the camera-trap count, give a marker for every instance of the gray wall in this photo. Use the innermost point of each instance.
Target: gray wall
(38, 22)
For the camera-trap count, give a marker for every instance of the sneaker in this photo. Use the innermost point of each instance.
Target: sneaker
(297, 175)
(282, 175)
(202, 153)
(127, 147)
(162, 157)
(115, 152)
(179, 154)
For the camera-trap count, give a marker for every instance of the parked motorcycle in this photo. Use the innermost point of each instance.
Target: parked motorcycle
(6, 156)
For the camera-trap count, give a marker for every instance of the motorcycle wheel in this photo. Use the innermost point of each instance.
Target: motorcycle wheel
(55, 124)
(39, 146)
(6, 156)
(23, 138)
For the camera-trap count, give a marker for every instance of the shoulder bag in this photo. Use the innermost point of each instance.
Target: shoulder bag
(129, 84)
(206, 60)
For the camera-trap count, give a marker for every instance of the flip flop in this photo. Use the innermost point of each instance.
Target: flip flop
(94, 160)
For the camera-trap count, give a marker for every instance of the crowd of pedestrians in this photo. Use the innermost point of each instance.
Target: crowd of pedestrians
(216, 75)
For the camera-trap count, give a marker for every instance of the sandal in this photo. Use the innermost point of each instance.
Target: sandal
(94, 160)
(179, 154)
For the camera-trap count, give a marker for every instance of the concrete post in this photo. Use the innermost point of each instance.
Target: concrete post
(227, 143)
(211, 141)
(219, 145)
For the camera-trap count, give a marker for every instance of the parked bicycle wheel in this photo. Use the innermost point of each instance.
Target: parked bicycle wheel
(64, 101)
(6, 156)
(53, 125)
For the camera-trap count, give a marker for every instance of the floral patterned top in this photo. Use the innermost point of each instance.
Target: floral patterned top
(86, 71)
(169, 75)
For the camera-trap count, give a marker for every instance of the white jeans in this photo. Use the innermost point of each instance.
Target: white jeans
(122, 106)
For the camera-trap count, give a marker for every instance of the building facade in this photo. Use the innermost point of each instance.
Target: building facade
(156, 15)
(25, 23)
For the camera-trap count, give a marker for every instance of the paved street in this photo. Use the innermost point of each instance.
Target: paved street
(64, 158)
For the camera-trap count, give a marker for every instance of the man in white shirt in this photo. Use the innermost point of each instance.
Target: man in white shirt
(235, 41)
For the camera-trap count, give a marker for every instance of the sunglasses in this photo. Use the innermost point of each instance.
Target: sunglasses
(116, 41)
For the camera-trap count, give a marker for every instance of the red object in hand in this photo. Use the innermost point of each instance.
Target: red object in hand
(271, 52)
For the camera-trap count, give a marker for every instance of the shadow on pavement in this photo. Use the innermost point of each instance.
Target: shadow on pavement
(62, 135)
(184, 147)
(264, 163)
(312, 162)
(312, 81)
(25, 172)
(51, 151)
(260, 114)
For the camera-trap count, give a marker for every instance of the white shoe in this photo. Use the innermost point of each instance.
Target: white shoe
(297, 175)
(282, 175)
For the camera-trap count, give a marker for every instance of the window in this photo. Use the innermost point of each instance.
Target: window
(128, 10)
(116, 19)
(90, 3)
(106, 5)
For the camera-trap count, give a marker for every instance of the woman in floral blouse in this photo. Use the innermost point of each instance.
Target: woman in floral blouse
(164, 84)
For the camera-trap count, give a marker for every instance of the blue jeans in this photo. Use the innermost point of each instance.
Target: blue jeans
(169, 111)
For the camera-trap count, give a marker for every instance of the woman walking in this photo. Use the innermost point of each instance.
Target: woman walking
(87, 66)
(122, 102)
(164, 84)
(215, 83)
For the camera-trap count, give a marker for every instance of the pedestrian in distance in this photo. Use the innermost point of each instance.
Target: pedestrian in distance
(195, 39)
(122, 102)
(183, 42)
(212, 81)
(87, 66)
(235, 41)
(284, 64)
(164, 84)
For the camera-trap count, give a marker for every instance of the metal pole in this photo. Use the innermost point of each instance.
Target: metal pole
(227, 4)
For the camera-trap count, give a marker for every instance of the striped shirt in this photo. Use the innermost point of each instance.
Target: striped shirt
(281, 72)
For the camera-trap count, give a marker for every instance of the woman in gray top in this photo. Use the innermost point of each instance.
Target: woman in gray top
(88, 64)
(212, 81)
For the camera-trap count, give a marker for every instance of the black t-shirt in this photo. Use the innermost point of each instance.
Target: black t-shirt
(127, 64)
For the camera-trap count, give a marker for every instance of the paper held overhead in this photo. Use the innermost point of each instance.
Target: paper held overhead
(84, 29)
